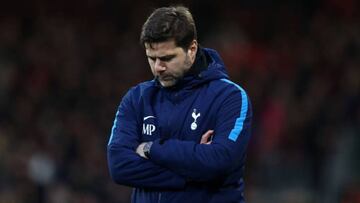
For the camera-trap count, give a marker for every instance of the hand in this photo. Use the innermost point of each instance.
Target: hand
(205, 137)
(140, 150)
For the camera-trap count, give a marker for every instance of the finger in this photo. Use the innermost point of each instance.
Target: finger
(205, 137)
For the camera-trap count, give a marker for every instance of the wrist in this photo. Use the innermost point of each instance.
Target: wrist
(146, 149)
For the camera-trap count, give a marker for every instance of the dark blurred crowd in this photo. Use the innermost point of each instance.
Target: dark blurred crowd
(65, 65)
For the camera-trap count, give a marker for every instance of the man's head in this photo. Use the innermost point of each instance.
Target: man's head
(169, 38)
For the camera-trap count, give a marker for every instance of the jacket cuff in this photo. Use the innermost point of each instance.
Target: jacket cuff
(155, 150)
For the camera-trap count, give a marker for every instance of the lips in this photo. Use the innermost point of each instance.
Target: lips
(166, 78)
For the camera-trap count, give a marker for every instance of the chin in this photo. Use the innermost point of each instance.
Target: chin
(167, 83)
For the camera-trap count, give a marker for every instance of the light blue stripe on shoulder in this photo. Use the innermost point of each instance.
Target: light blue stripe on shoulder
(239, 123)
(113, 128)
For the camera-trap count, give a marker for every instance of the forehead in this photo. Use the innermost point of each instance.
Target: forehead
(162, 48)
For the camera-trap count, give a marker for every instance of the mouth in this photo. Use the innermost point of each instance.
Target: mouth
(166, 78)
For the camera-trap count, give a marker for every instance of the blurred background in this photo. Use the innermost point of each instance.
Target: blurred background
(65, 65)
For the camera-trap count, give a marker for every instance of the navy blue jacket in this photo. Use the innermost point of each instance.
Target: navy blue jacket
(180, 169)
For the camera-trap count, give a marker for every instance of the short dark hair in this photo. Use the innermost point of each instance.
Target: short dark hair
(168, 23)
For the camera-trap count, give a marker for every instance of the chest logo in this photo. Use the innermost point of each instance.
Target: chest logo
(148, 128)
(195, 117)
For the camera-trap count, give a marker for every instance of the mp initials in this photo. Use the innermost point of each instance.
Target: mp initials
(148, 129)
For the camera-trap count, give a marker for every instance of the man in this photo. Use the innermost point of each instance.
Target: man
(181, 137)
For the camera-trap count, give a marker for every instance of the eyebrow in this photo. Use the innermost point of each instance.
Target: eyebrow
(163, 58)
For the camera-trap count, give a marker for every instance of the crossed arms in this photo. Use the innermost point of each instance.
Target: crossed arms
(173, 163)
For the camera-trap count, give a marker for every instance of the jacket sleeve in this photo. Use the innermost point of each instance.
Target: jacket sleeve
(206, 162)
(128, 168)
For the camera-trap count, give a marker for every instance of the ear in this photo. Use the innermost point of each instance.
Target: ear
(192, 50)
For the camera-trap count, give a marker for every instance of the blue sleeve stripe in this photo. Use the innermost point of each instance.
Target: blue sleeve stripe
(235, 132)
(113, 128)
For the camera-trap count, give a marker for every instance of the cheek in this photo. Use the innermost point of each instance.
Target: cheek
(173, 67)
(176, 65)
(151, 64)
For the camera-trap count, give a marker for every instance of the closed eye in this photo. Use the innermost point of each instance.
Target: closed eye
(167, 58)
(151, 58)
(163, 58)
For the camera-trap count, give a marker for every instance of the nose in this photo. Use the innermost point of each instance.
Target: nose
(159, 66)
